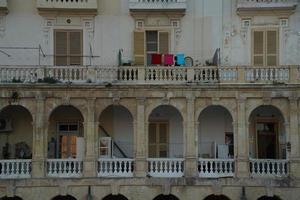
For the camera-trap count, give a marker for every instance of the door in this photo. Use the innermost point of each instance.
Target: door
(267, 140)
(158, 139)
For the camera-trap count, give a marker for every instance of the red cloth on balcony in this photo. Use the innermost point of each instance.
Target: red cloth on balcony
(169, 59)
(156, 59)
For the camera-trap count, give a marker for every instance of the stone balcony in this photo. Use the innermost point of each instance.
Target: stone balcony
(266, 7)
(83, 6)
(151, 75)
(3, 7)
(175, 6)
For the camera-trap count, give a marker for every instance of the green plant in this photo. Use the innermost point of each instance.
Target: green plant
(49, 80)
(14, 80)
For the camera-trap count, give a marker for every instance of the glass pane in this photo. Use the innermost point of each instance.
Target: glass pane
(151, 36)
(152, 133)
(152, 151)
(63, 127)
(73, 127)
(163, 135)
(163, 151)
(152, 47)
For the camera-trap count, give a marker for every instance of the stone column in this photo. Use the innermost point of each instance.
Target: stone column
(91, 128)
(241, 137)
(293, 138)
(190, 143)
(140, 141)
(39, 138)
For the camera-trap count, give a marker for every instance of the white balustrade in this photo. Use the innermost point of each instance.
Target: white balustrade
(166, 74)
(215, 74)
(265, 74)
(115, 167)
(65, 168)
(215, 168)
(165, 167)
(128, 74)
(12, 169)
(263, 4)
(18, 74)
(268, 168)
(157, 4)
(67, 4)
(67, 73)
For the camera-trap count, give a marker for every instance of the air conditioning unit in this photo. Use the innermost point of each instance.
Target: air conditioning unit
(5, 125)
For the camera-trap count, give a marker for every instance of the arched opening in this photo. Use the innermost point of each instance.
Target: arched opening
(215, 135)
(216, 143)
(267, 137)
(115, 197)
(11, 198)
(67, 197)
(65, 133)
(165, 133)
(216, 197)
(16, 133)
(166, 197)
(116, 133)
(269, 198)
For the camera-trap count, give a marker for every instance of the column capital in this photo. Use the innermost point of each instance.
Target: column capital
(141, 101)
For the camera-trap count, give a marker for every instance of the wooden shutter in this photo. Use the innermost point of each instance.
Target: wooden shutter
(139, 47)
(61, 47)
(158, 140)
(163, 42)
(75, 47)
(68, 47)
(271, 46)
(258, 48)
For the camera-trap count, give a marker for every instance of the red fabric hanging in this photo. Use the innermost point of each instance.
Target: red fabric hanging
(156, 59)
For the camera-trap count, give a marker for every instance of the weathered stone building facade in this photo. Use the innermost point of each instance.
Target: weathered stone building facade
(96, 102)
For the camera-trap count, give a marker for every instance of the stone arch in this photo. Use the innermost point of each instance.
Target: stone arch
(168, 105)
(279, 110)
(215, 130)
(54, 109)
(67, 197)
(16, 121)
(117, 122)
(269, 198)
(267, 132)
(216, 197)
(115, 197)
(166, 197)
(221, 104)
(165, 121)
(152, 105)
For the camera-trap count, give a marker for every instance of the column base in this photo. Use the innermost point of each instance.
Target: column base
(38, 167)
(90, 168)
(191, 167)
(242, 168)
(141, 167)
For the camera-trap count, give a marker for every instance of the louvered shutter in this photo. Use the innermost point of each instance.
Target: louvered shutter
(258, 48)
(139, 47)
(271, 54)
(163, 42)
(61, 47)
(75, 47)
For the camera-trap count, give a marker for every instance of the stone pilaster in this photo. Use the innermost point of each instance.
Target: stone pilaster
(91, 128)
(293, 138)
(190, 144)
(140, 141)
(39, 140)
(242, 140)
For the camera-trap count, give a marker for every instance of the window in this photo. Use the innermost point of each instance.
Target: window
(265, 47)
(149, 42)
(158, 140)
(68, 47)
